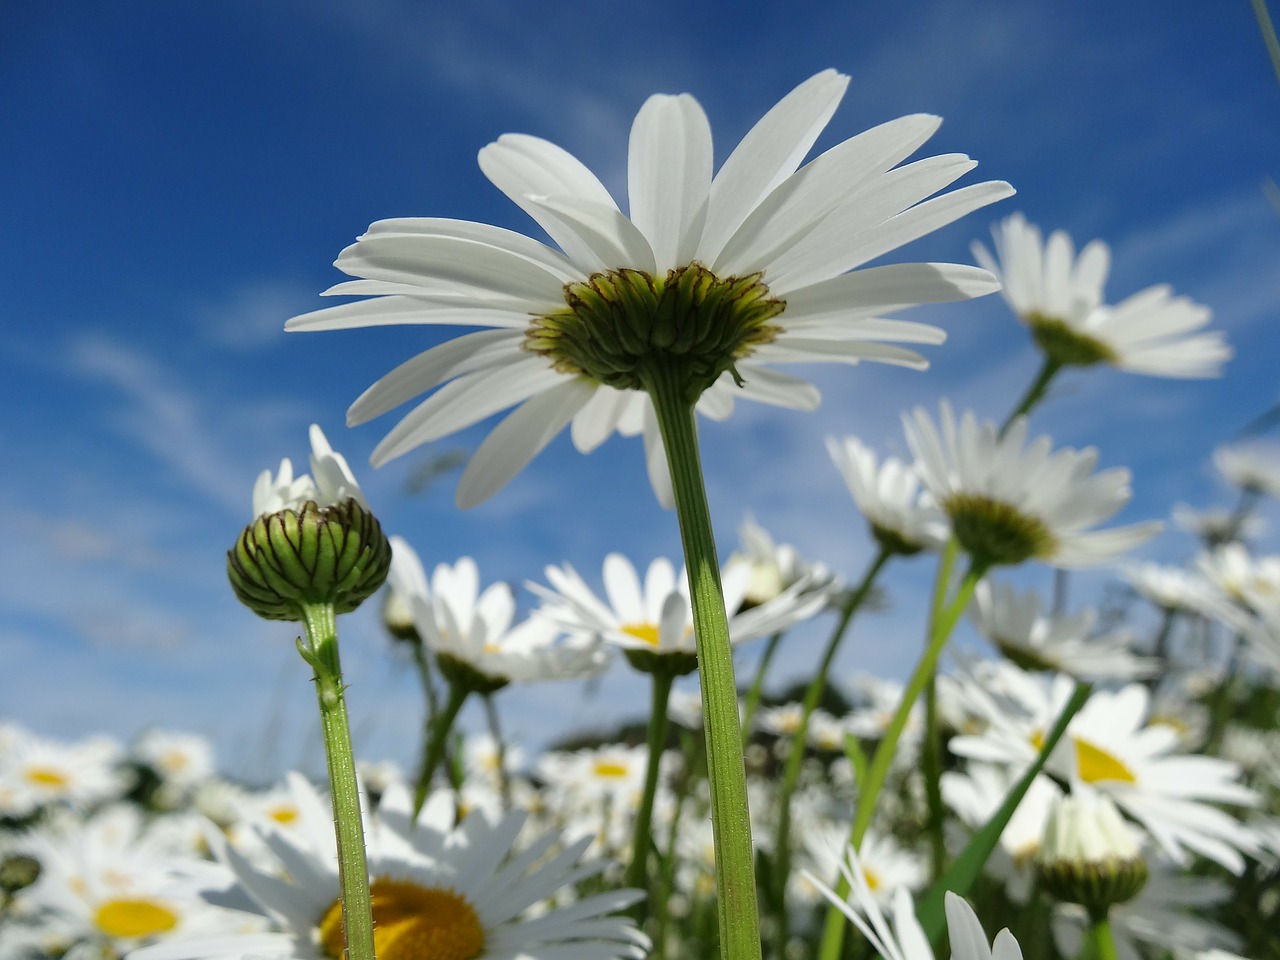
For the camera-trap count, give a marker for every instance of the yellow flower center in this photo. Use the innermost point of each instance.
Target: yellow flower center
(1094, 764)
(283, 814)
(873, 879)
(411, 922)
(47, 777)
(644, 632)
(129, 918)
(610, 769)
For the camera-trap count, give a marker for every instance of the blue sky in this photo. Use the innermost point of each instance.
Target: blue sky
(178, 178)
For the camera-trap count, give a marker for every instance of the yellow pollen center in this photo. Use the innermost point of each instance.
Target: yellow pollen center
(283, 814)
(1094, 764)
(411, 922)
(644, 632)
(46, 777)
(174, 761)
(873, 880)
(610, 769)
(134, 918)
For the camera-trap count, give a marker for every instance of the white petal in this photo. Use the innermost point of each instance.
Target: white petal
(386, 311)
(655, 457)
(801, 201)
(778, 389)
(519, 438)
(769, 153)
(504, 239)
(465, 401)
(669, 176)
(614, 239)
(405, 258)
(798, 350)
(522, 166)
(882, 289)
(453, 358)
(968, 940)
(598, 419)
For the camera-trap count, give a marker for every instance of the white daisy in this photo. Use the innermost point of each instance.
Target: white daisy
(1174, 588)
(36, 771)
(656, 616)
(1217, 526)
(1059, 296)
(774, 566)
(180, 759)
(1013, 621)
(460, 623)
(758, 258)
(1010, 502)
(1112, 747)
(109, 882)
(903, 519)
(905, 939)
(331, 481)
(451, 893)
(1253, 467)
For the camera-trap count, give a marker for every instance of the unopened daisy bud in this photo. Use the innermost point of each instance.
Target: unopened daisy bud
(312, 542)
(17, 872)
(1089, 855)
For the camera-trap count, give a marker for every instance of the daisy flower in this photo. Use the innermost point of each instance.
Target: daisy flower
(36, 772)
(1253, 467)
(656, 616)
(709, 280)
(1010, 501)
(450, 893)
(182, 760)
(889, 495)
(1112, 747)
(1059, 296)
(463, 625)
(1013, 621)
(774, 566)
(905, 939)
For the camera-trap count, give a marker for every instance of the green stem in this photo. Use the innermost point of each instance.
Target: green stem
(689, 757)
(795, 759)
(500, 747)
(320, 650)
(1104, 941)
(931, 768)
(731, 824)
(424, 675)
(757, 687)
(942, 622)
(638, 871)
(436, 742)
(1035, 392)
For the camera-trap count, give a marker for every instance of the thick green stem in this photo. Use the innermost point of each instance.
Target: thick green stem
(638, 871)
(1035, 392)
(757, 687)
(436, 741)
(942, 622)
(795, 759)
(731, 824)
(1102, 939)
(320, 650)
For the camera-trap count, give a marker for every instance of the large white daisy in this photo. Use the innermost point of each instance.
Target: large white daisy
(717, 278)
(1112, 746)
(1059, 296)
(1010, 501)
(440, 891)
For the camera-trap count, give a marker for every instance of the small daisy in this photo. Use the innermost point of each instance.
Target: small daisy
(1112, 747)
(1059, 296)
(890, 496)
(774, 566)
(1175, 589)
(1216, 527)
(758, 258)
(1013, 621)
(656, 616)
(109, 880)
(36, 772)
(886, 864)
(905, 940)
(460, 623)
(181, 759)
(450, 893)
(1010, 502)
(1253, 467)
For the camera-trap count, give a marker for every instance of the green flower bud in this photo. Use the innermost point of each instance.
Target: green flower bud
(17, 872)
(1089, 855)
(290, 559)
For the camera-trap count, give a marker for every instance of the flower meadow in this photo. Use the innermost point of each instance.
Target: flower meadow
(1104, 783)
